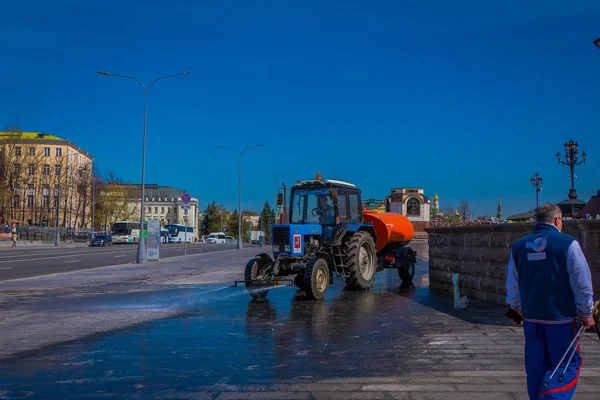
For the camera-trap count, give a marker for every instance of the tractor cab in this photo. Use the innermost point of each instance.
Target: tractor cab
(319, 212)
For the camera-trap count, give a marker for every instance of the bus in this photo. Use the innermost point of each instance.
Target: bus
(180, 233)
(128, 232)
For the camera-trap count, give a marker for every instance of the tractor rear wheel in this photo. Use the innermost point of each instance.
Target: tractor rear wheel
(316, 278)
(406, 270)
(362, 260)
(253, 271)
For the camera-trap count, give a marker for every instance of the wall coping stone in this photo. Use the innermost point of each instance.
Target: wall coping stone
(568, 226)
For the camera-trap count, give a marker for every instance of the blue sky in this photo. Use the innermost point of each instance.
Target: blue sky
(463, 98)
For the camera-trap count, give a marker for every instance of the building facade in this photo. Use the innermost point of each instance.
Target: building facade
(163, 203)
(412, 203)
(44, 179)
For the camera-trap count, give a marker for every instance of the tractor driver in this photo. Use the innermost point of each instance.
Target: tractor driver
(325, 210)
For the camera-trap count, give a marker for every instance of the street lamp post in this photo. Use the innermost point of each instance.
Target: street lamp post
(240, 153)
(57, 241)
(141, 251)
(537, 182)
(571, 160)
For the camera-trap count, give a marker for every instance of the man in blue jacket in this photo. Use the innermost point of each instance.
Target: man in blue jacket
(550, 285)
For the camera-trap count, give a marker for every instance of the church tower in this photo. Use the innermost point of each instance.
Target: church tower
(499, 213)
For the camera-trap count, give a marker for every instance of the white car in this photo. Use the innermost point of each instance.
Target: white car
(216, 237)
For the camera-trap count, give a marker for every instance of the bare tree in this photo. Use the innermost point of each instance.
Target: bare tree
(464, 210)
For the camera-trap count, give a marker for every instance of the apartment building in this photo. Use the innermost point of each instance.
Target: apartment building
(44, 178)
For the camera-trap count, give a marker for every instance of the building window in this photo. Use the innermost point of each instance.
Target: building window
(57, 170)
(413, 207)
(47, 151)
(162, 210)
(46, 201)
(17, 168)
(58, 152)
(17, 200)
(55, 201)
(32, 151)
(31, 169)
(29, 200)
(46, 169)
(155, 210)
(18, 151)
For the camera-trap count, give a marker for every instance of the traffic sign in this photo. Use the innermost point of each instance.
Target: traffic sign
(186, 198)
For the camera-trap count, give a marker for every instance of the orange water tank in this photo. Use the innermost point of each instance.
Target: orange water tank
(389, 227)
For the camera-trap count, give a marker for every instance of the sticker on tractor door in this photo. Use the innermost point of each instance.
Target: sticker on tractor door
(297, 246)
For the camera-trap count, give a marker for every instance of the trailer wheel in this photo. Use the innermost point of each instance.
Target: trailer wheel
(253, 270)
(316, 278)
(362, 260)
(406, 270)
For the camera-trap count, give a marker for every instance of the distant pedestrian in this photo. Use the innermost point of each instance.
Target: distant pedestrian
(14, 237)
(549, 284)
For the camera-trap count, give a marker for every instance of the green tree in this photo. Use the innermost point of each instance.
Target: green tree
(211, 219)
(266, 220)
(233, 223)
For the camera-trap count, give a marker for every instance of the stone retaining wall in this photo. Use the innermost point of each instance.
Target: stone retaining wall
(480, 255)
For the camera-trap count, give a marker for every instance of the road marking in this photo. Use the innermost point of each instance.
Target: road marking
(120, 256)
(58, 252)
(6, 268)
(72, 261)
(47, 258)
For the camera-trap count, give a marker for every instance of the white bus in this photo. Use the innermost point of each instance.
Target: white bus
(180, 233)
(127, 232)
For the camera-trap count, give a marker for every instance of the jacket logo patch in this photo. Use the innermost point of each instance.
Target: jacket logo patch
(537, 245)
(536, 256)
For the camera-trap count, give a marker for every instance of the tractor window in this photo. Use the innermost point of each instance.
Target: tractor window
(307, 208)
(342, 206)
(354, 209)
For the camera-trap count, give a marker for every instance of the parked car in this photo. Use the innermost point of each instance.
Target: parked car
(101, 240)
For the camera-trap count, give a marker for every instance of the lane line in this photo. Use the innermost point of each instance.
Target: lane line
(72, 261)
(6, 268)
(120, 256)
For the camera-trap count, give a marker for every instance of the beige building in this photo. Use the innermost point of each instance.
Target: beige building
(164, 204)
(37, 171)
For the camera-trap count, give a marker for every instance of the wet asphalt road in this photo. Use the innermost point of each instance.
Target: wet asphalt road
(223, 337)
(23, 262)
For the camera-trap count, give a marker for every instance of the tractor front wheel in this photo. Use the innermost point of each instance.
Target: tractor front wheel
(253, 271)
(362, 260)
(316, 278)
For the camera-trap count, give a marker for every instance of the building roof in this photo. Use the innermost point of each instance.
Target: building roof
(523, 215)
(28, 135)
(592, 207)
(39, 137)
(154, 190)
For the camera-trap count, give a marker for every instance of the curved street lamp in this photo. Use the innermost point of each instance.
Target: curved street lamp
(537, 183)
(571, 160)
(239, 153)
(141, 252)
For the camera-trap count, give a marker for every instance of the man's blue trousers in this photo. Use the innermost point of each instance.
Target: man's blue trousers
(545, 345)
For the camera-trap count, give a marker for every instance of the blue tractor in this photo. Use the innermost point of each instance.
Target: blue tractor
(327, 235)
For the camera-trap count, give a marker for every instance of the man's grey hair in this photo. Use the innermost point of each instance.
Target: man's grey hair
(548, 212)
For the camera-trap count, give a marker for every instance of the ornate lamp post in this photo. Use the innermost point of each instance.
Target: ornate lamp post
(571, 160)
(537, 183)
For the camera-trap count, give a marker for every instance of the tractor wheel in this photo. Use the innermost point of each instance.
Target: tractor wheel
(406, 271)
(316, 278)
(253, 270)
(362, 260)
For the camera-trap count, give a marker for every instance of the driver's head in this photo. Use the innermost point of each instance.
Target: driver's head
(323, 201)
